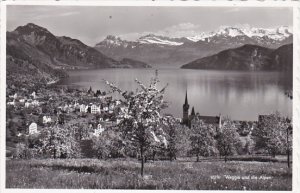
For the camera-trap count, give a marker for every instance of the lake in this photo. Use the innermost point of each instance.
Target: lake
(238, 95)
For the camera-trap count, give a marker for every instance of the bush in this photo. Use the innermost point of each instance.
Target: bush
(23, 152)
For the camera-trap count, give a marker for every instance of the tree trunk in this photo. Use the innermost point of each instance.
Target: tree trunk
(225, 158)
(197, 157)
(54, 153)
(142, 161)
(288, 158)
(288, 148)
(153, 155)
(142, 166)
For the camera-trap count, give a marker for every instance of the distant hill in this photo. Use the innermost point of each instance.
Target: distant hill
(34, 47)
(247, 57)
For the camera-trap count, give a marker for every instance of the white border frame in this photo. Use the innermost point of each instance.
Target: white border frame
(296, 74)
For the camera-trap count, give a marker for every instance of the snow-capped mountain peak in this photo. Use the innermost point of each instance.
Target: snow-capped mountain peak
(113, 41)
(222, 34)
(279, 33)
(155, 39)
(200, 36)
(229, 31)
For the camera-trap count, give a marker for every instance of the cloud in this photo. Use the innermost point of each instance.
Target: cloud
(68, 14)
(181, 30)
(43, 16)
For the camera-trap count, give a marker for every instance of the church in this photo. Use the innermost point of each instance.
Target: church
(190, 119)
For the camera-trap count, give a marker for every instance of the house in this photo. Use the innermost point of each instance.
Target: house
(245, 128)
(118, 102)
(27, 104)
(35, 103)
(47, 119)
(13, 103)
(33, 94)
(95, 109)
(99, 129)
(76, 104)
(210, 120)
(33, 129)
(83, 108)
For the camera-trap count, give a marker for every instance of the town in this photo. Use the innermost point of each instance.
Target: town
(92, 112)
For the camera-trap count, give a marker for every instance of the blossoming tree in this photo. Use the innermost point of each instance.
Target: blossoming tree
(141, 116)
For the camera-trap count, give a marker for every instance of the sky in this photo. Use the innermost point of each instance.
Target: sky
(92, 24)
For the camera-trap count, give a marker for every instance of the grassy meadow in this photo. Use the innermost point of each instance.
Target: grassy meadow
(124, 174)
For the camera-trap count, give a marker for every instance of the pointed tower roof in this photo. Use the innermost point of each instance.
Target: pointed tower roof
(186, 99)
(193, 112)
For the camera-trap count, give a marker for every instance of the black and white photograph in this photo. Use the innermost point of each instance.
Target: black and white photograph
(148, 97)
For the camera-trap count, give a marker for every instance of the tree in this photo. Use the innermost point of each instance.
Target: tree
(182, 138)
(108, 144)
(227, 139)
(22, 151)
(170, 124)
(202, 139)
(274, 133)
(59, 142)
(249, 146)
(140, 116)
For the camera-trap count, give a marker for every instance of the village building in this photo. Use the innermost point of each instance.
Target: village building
(95, 109)
(13, 103)
(33, 129)
(35, 103)
(118, 102)
(99, 129)
(215, 121)
(245, 128)
(27, 104)
(33, 94)
(47, 119)
(193, 118)
(83, 108)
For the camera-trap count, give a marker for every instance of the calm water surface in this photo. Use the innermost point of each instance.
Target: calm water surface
(239, 95)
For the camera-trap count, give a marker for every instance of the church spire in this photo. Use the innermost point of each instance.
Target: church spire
(186, 99)
(186, 106)
(193, 112)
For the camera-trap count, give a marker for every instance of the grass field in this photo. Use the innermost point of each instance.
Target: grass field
(124, 174)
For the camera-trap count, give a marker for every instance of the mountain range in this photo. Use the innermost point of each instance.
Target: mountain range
(46, 54)
(173, 52)
(247, 57)
(34, 53)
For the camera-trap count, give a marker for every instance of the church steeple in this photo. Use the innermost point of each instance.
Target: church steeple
(186, 99)
(186, 106)
(193, 112)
